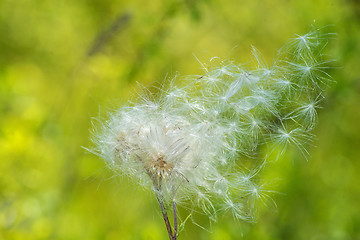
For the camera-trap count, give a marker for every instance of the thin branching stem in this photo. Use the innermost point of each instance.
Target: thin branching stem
(175, 220)
(166, 218)
(168, 226)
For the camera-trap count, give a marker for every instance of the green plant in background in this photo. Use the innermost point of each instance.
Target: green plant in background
(60, 60)
(205, 141)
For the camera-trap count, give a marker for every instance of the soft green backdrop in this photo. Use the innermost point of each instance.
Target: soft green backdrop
(65, 61)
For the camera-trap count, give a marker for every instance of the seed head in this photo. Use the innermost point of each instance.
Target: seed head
(200, 144)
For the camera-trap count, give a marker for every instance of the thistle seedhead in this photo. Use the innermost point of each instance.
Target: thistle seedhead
(199, 144)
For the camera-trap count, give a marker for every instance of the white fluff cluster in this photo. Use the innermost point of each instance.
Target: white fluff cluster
(203, 143)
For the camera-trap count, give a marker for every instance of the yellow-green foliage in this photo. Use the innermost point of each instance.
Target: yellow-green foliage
(61, 60)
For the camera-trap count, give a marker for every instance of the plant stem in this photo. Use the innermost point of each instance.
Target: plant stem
(166, 219)
(157, 186)
(175, 220)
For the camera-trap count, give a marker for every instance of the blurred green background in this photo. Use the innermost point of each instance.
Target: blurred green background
(63, 62)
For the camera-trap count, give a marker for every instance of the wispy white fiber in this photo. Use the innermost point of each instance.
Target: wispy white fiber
(199, 144)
